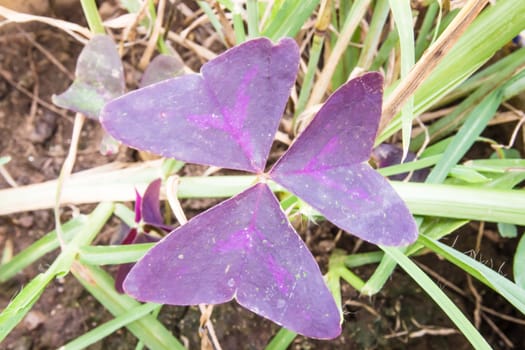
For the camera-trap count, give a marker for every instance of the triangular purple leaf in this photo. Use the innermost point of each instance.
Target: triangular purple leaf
(243, 248)
(162, 67)
(99, 78)
(150, 207)
(326, 167)
(150, 204)
(226, 116)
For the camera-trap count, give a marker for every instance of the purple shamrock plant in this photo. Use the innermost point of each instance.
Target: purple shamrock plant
(148, 220)
(245, 248)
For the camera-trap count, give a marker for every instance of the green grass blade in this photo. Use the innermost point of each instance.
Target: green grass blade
(486, 76)
(384, 51)
(519, 263)
(212, 17)
(464, 202)
(89, 7)
(402, 13)
(375, 31)
(289, 19)
(306, 88)
(468, 175)
(515, 86)
(97, 219)
(148, 329)
(253, 18)
(432, 227)
(440, 298)
(238, 23)
(35, 251)
(360, 259)
(496, 165)
(109, 327)
(510, 291)
(468, 133)
(113, 254)
(282, 340)
(16, 310)
(23, 302)
(125, 214)
(410, 166)
(321, 25)
(423, 39)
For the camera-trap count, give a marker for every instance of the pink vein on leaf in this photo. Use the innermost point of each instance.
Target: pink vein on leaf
(231, 120)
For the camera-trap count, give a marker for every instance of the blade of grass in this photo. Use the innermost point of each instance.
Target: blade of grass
(238, 23)
(282, 340)
(402, 13)
(422, 40)
(38, 249)
(440, 298)
(321, 25)
(16, 310)
(519, 263)
(289, 18)
(486, 76)
(109, 327)
(90, 10)
(214, 20)
(491, 204)
(23, 302)
(475, 123)
(384, 51)
(113, 254)
(148, 329)
(496, 165)
(371, 42)
(125, 214)
(510, 291)
(410, 166)
(252, 18)
(350, 55)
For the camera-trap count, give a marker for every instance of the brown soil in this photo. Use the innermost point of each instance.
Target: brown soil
(402, 316)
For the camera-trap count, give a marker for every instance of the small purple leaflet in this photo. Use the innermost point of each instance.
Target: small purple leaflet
(327, 167)
(147, 218)
(226, 116)
(243, 248)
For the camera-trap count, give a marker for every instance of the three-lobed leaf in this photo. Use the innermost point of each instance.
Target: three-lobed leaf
(245, 248)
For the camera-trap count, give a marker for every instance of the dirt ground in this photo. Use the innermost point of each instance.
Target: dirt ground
(36, 135)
